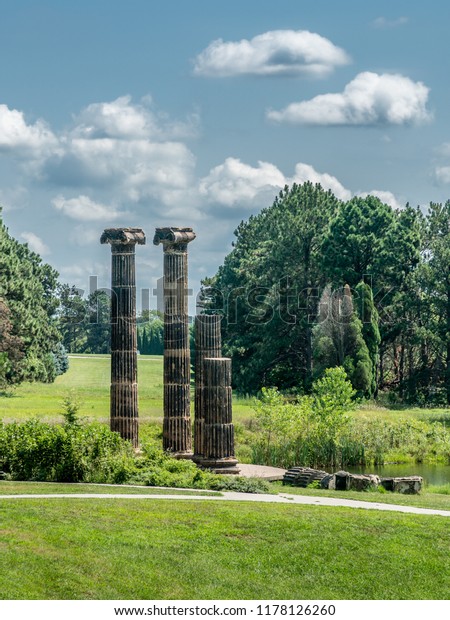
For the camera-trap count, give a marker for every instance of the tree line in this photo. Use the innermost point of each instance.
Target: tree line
(315, 282)
(85, 324)
(312, 282)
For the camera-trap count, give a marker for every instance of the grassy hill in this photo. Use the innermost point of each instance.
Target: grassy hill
(88, 380)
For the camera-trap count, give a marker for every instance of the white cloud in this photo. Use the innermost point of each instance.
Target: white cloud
(387, 197)
(13, 198)
(305, 172)
(84, 209)
(131, 148)
(442, 174)
(125, 147)
(84, 234)
(78, 273)
(234, 183)
(277, 52)
(138, 168)
(369, 99)
(444, 149)
(384, 22)
(122, 119)
(16, 136)
(35, 243)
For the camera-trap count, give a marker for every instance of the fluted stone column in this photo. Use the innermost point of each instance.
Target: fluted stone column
(124, 397)
(218, 430)
(177, 434)
(208, 343)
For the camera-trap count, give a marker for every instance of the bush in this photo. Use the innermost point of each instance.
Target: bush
(80, 452)
(316, 431)
(308, 430)
(34, 450)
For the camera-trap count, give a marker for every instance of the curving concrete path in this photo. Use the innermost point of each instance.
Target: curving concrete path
(282, 498)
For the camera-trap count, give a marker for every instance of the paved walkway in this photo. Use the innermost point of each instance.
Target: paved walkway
(282, 498)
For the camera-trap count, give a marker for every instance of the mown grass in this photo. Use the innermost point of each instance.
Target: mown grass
(40, 488)
(123, 549)
(370, 410)
(434, 497)
(88, 379)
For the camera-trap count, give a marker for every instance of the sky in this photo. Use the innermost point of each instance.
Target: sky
(172, 113)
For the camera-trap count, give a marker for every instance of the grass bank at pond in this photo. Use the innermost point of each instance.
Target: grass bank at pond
(120, 549)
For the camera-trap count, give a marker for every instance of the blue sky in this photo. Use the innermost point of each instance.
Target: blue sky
(149, 113)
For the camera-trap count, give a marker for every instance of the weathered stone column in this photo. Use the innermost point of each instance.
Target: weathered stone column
(177, 435)
(124, 399)
(218, 430)
(208, 343)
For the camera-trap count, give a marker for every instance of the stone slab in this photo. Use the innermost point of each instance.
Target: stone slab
(261, 471)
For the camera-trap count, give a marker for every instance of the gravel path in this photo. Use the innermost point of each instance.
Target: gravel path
(282, 498)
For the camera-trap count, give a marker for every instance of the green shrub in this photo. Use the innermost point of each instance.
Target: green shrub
(316, 431)
(34, 450)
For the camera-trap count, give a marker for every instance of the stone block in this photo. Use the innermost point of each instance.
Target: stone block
(408, 485)
(303, 476)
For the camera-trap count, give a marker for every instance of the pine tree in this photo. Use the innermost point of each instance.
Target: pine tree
(368, 315)
(28, 288)
(338, 340)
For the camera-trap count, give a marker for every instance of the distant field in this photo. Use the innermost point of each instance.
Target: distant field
(88, 379)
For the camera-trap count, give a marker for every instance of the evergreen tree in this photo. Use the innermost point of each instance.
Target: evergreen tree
(151, 333)
(11, 349)
(267, 287)
(338, 340)
(437, 268)
(28, 287)
(368, 315)
(73, 313)
(60, 359)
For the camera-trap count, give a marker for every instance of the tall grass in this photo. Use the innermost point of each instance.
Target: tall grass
(318, 431)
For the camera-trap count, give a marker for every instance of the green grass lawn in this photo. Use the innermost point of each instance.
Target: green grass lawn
(124, 549)
(42, 488)
(370, 410)
(88, 379)
(426, 499)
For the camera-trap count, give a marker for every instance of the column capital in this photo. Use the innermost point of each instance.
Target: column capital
(173, 237)
(123, 236)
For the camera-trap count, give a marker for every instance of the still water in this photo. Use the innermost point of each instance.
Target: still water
(432, 474)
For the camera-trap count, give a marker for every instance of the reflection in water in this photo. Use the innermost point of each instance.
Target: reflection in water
(432, 474)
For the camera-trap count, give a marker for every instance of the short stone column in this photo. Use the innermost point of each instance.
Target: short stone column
(208, 343)
(124, 398)
(177, 434)
(218, 430)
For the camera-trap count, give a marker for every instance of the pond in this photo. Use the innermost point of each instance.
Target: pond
(432, 474)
